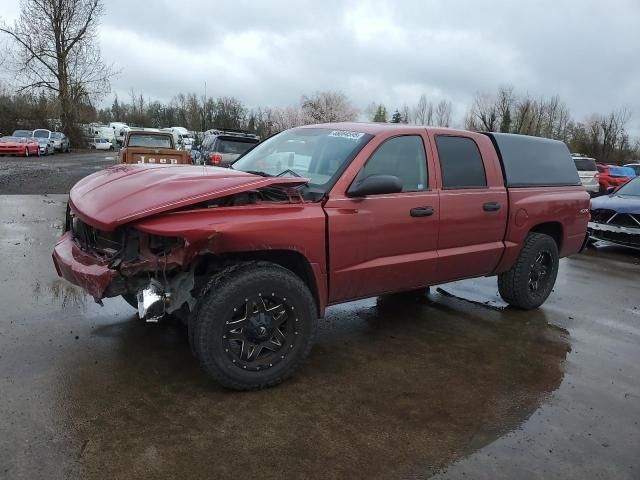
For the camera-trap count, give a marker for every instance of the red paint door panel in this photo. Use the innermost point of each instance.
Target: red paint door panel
(473, 206)
(471, 239)
(376, 245)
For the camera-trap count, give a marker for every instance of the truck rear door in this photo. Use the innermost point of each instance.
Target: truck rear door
(384, 243)
(473, 205)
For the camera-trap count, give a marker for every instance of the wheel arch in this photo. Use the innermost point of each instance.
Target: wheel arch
(292, 260)
(552, 229)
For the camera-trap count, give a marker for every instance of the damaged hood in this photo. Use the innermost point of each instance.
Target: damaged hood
(124, 193)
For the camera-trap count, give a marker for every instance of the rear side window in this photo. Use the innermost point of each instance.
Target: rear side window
(534, 161)
(585, 164)
(460, 162)
(232, 146)
(403, 157)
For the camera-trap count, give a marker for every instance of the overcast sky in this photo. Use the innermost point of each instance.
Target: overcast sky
(271, 52)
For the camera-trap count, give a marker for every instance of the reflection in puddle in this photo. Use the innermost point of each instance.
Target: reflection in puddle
(392, 389)
(62, 293)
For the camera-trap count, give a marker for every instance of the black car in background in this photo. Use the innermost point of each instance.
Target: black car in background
(221, 148)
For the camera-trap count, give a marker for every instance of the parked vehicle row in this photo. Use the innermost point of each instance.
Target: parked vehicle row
(19, 146)
(35, 142)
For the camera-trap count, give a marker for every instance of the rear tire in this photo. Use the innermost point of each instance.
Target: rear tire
(530, 280)
(254, 325)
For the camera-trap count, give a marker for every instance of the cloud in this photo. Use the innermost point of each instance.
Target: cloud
(270, 53)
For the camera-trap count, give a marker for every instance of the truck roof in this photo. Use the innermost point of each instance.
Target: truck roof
(375, 128)
(526, 161)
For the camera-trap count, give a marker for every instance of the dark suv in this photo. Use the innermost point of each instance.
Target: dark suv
(222, 147)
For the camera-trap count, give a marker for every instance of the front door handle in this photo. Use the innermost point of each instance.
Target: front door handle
(421, 211)
(491, 206)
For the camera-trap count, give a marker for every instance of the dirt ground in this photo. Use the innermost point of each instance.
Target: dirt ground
(51, 174)
(452, 386)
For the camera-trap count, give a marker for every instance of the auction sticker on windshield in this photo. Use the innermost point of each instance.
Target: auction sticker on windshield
(355, 136)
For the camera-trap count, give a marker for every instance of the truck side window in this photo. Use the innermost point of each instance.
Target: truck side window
(403, 157)
(460, 162)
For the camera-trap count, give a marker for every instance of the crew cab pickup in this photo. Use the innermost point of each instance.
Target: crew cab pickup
(250, 256)
(144, 146)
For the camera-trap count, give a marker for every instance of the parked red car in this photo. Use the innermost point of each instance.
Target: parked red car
(613, 176)
(250, 256)
(21, 146)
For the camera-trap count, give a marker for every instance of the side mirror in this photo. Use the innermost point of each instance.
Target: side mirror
(610, 190)
(375, 185)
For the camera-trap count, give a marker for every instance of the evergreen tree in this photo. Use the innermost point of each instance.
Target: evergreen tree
(381, 114)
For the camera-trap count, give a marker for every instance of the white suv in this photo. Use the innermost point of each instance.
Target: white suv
(588, 172)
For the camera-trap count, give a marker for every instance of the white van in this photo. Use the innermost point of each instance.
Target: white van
(119, 131)
(183, 138)
(102, 131)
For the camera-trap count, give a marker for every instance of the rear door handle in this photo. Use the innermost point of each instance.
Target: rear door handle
(421, 211)
(491, 206)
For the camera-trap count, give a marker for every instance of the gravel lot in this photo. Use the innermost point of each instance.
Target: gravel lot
(453, 386)
(51, 174)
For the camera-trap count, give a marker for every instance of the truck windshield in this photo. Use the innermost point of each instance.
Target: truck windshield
(151, 141)
(631, 188)
(320, 154)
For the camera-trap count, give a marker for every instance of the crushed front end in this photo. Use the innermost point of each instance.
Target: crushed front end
(616, 227)
(147, 270)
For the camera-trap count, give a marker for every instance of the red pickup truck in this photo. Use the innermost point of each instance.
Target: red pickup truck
(249, 257)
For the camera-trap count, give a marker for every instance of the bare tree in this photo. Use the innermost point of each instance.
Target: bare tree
(371, 110)
(484, 112)
(327, 107)
(405, 113)
(288, 117)
(443, 113)
(423, 111)
(58, 52)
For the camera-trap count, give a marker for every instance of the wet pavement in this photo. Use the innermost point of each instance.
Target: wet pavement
(453, 386)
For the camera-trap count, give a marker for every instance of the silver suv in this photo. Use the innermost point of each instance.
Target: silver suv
(588, 172)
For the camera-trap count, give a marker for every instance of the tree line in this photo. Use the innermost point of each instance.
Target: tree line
(60, 78)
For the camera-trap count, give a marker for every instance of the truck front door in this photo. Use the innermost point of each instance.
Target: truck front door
(473, 206)
(384, 243)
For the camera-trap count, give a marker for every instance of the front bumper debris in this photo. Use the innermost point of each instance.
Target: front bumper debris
(626, 236)
(80, 268)
(151, 302)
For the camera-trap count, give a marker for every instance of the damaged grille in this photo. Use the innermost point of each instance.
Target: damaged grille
(625, 220)
(610, 217)
(91, 238)
(602, 215)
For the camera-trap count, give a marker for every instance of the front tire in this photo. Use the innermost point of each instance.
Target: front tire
(530, 280)
(254, 325)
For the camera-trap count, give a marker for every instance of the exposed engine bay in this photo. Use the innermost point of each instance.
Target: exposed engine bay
(163, 274)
